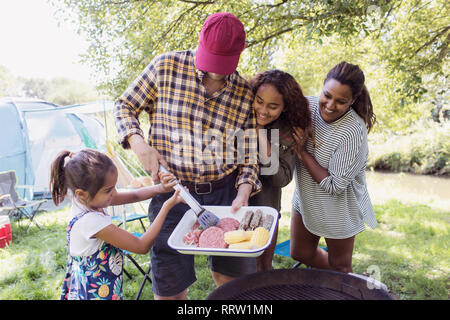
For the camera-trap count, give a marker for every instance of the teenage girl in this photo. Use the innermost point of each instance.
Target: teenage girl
(280, 105)
(94, 266)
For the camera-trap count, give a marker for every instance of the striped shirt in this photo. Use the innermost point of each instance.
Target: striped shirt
(200, 136)
(338, 206)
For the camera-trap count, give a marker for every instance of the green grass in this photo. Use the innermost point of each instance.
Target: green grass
(32, 267)
(409, 248)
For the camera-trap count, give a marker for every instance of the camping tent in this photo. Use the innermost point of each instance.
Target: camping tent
(33, 132)
(14, 145)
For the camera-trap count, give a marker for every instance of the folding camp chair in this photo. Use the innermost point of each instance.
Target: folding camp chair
(283, 249)
(131, 217)
(12, 204)
(146, 273)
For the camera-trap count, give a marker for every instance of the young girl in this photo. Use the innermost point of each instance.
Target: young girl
(279, 104)
(94, 242)
(331, 199)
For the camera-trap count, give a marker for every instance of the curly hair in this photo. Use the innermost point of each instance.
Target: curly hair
(296, 107)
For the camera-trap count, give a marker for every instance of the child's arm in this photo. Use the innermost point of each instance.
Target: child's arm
(122, 239)
(130, 196)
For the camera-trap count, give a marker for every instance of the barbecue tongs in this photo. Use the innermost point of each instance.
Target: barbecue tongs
(205, 218)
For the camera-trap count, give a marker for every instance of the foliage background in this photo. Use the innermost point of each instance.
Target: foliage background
(401, 45)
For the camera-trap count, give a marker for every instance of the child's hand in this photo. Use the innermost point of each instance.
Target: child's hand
(168, 180)
(174, 200)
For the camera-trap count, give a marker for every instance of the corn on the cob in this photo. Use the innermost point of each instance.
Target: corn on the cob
(249, 234)
(260, 237)
(246, 245)
(235, 236)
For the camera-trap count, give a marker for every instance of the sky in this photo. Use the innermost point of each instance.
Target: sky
(32, 44)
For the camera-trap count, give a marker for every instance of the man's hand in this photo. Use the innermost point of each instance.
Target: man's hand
(148, 156)
(241, 199)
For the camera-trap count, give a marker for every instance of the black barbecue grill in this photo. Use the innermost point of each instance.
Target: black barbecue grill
(301, 284)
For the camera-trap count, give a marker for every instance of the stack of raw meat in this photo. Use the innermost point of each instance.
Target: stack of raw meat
(213, 237)
(192, 236)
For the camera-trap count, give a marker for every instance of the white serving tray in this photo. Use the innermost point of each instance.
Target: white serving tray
(175, 240)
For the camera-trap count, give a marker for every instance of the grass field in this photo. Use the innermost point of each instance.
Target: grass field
(409, 248)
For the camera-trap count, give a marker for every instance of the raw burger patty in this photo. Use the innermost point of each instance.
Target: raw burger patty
(228, 224)
(213, 237)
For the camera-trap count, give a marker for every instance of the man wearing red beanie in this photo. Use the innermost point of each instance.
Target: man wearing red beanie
(188, 95)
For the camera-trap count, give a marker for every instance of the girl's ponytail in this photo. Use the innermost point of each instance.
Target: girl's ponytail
(363, 107)
(58, 185)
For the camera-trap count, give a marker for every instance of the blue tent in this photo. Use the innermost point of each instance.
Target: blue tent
(14, 145)
(34, 132)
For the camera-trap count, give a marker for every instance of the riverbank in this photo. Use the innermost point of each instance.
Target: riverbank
(408, 188)
(424, 149)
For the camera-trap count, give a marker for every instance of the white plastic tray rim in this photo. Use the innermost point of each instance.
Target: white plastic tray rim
(175, 240)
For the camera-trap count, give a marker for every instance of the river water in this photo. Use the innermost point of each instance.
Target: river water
(408, 188)
(425, 189)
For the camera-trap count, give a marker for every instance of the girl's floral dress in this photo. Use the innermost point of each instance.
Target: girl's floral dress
(95, 277)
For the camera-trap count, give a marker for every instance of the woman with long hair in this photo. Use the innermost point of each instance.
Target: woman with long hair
(280, 105)
(331, 198)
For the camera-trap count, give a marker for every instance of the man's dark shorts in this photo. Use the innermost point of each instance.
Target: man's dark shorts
(173, 272)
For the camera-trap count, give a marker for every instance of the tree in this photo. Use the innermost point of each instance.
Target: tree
(402, 44)
(125, 35)
(309, 64)
(66, 91)
(35, 87)
(8, 83)
(413, 42)
(62, 91)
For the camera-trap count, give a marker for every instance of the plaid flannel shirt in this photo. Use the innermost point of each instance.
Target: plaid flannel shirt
(186, 125)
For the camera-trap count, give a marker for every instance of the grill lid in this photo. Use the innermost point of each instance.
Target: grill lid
(299, 284)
